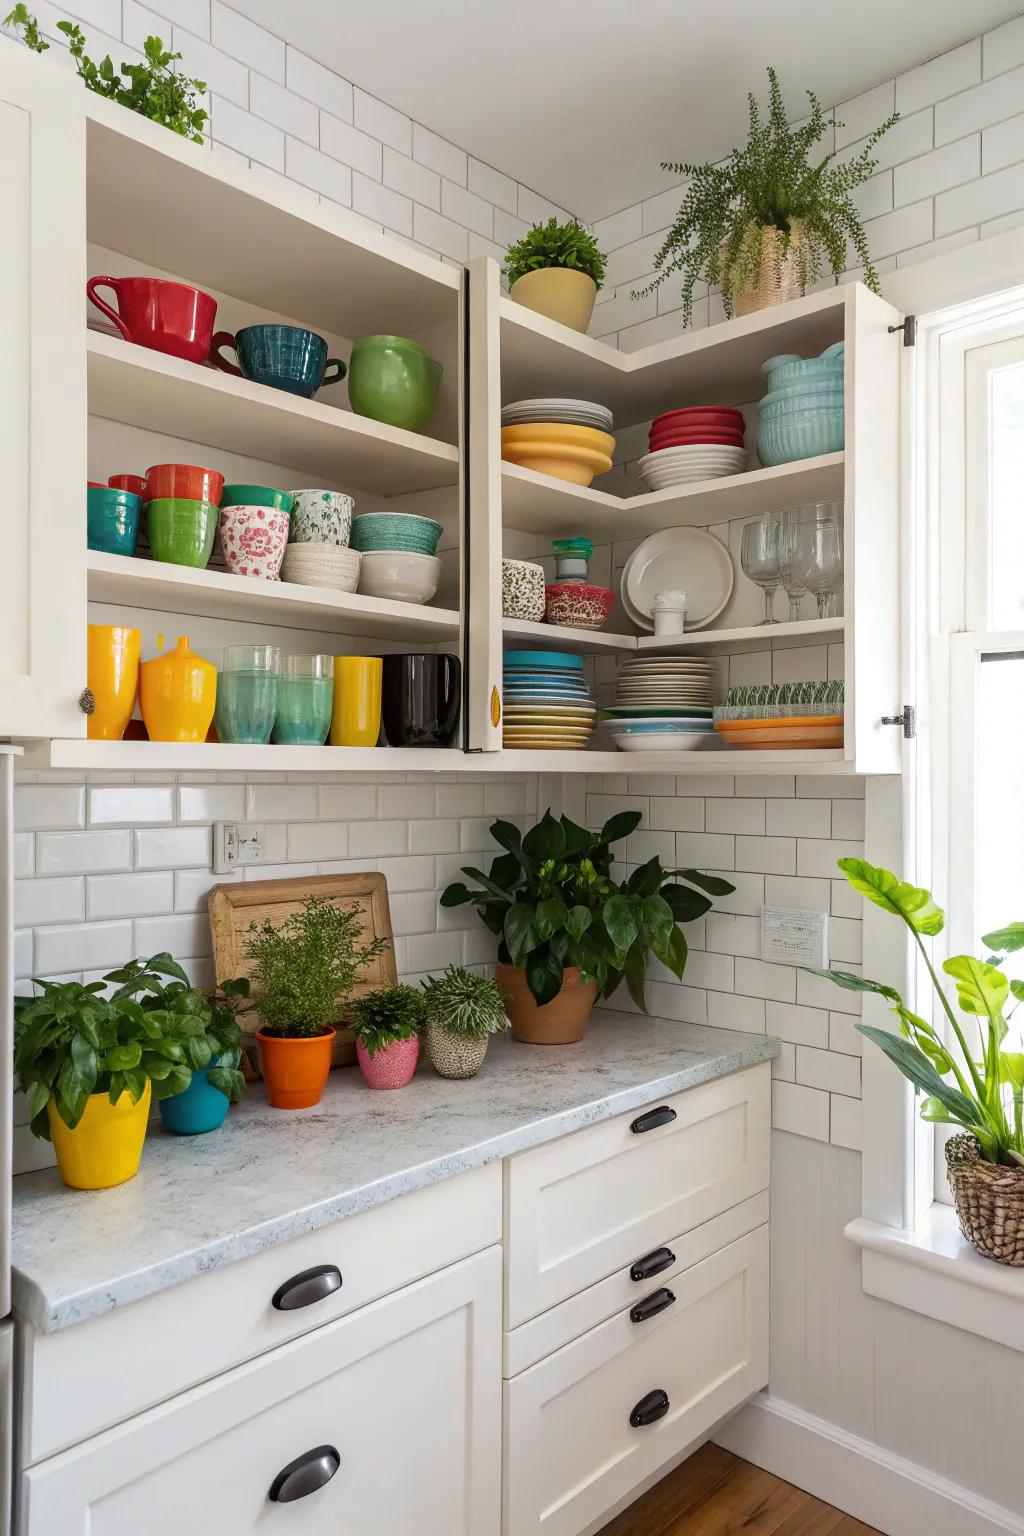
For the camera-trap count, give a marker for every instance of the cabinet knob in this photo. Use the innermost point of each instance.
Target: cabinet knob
(652, 1264)
(652, 1118)
(304, 1289)
(87, 701)
(649, 1409)
(651, 1305)
(305, 1475)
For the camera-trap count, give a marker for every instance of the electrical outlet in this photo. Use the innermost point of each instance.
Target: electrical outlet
(236, 843)
(791, 936)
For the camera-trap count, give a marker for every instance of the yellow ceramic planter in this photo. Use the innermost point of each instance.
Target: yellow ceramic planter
(113, 678)
(177, 694)
(105, 1146)
(558, 292)
(355, 719)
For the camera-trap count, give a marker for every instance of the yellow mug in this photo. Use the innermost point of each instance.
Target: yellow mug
(355, 719)
(112, 673)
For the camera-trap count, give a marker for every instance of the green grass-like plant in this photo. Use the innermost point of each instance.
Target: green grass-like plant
(465, 1004)
(388, 1014)
(555, 245)
(772, 183)
(303, 969)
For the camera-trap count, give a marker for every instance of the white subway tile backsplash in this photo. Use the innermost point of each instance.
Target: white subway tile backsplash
(766, 855)
(140, 895)
(49, 901)
(940, 77)
(122, 805)
(244, 40)
(736, 815)
(411, 874)
(187, 934)
(988, 198)
(171, 847)
(440, 234)
(801, 1025)
(844, 938)
(948, 166)
(988, 103)
(318, 85)
(503, 800)
(82, 853)
(488, 183)
(728, 1010)
(466, 208)
(759, 978)
(77, 947)
(862, 114)
(379, 203)
(411, 179)
(433, 836)
(1002, 144)
(818, 857)
(828, 1070)
(224, 75)
(287, 802)
(193, 14)
(382, 122)
(619, 228)
(706, 850)
(1003, 49)
(800, 818)
(342, 141)
(732, 935)
(459, 799)
(438, 154)
(669, 1000)
(249, 135)
(844, 1036)
(211, 802)
(24, 855)
(52, 806)
(317, 840)
(846, 1122)
(378, 839)
(848, 819)
(287, 110)
(819, 992)
(799, 1110)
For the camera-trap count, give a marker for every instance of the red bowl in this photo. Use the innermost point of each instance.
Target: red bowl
(96, 485)
(686, 439)
(134, 483)
(185, 480)
(699, 415)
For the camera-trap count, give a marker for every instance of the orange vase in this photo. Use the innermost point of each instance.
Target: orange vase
(113, 679)
(177, 694)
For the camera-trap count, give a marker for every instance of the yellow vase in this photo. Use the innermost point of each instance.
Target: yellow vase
(113, 679)
(105, 1146)
(177, 694)
(355, 718)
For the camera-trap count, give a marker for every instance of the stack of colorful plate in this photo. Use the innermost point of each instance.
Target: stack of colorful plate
(663, 703)
(547, 705)
(567, 439)
(698, 442)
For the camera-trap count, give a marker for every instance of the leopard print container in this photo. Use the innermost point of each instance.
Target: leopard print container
(522, 590)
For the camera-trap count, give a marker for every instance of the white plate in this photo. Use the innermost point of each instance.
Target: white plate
(688, 558)
(661, 741)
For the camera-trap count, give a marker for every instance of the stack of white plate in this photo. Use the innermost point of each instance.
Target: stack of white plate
(576, 413)
(697, 461)
(664, 703)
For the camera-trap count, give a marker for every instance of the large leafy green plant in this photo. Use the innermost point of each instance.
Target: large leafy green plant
(555, 245)
(772, 183)
(160, 984)
(153, 89)
(552, 902)
(980, 1086)
(303, 969)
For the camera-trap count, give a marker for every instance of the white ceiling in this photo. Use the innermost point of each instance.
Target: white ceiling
(581, 101)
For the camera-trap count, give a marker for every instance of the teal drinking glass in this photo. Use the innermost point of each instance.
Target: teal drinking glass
(247, 691)
(305, 699)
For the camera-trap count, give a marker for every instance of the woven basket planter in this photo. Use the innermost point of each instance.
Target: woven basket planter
(778, 279)
(989, 1201)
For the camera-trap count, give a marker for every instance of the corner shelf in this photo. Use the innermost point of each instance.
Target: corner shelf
(562, 637)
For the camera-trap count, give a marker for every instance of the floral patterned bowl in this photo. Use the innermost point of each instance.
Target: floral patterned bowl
(254, 540)
(578, 605)
(522, 589)
(321, 517)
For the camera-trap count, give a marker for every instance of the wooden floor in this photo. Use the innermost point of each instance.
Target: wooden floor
(716, 1494)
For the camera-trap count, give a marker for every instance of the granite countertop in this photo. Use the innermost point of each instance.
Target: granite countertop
(268, 1175)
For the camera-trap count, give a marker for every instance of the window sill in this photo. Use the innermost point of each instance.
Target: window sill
(932, 1270)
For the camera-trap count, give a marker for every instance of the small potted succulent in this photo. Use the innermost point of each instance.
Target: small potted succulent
(567, 931)
(301, 973)
(556, 269)
(213, 1053)
(463, 1011)
(386, 1024)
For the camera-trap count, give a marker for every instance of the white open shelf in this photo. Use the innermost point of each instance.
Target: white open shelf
(164, 394)
(524, 634)
(557, 509)
(218, 594)
(751, 637)
(829, 761)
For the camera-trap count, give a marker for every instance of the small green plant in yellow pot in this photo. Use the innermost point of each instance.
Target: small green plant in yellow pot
(556, 270)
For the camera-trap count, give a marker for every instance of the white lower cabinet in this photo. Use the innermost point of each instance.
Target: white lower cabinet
(592, 1421)
(390, 1419)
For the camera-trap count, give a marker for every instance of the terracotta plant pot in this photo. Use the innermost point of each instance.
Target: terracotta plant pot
(391, 1067)
(558, 292)
(560, 1022)
(453, 1055)
(778, 279)
(295, 1071)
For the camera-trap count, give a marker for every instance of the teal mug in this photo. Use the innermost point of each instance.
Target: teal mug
(280, 356)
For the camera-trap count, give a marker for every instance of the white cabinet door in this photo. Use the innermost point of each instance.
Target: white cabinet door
(393, 1416)
(42, 398)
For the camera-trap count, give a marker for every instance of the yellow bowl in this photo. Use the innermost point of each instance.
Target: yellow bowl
(560, 461)
(559, 432)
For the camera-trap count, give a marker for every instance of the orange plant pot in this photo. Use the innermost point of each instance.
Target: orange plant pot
(563, 1021)
(112, 673)
(295, 1071)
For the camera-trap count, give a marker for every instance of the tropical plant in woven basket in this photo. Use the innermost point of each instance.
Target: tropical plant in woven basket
(979, 1085)
(770, 202)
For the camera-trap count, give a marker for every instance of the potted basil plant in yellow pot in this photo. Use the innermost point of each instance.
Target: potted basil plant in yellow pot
(556, 269)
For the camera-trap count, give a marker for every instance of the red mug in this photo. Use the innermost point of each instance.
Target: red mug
(167, 317)
(136, 484)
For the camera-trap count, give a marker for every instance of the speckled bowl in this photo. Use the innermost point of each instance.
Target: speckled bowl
(522, 590)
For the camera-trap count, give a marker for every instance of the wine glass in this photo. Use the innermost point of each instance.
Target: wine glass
(759, 560)
(819, 563)
(789, 546)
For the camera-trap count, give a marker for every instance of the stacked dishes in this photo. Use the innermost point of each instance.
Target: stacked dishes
(663, 704)
(398, 559)
(547, 704)
(803, 413)
(698, 442)
(689, 560)
(567, 439)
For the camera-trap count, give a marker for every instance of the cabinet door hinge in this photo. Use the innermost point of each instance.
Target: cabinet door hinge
(909, 329)
(908, 720)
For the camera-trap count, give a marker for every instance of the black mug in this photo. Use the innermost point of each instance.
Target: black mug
(420, 699)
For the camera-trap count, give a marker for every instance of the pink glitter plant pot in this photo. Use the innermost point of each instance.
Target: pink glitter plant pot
(254, 540)
(391, 1067)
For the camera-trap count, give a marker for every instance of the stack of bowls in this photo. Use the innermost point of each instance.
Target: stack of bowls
(318, 554)
(664, 703)
(697, 442)
(113, 520)
(182, 512)
(398, 559)
(803, 413)
(567, 439)
(547, 705)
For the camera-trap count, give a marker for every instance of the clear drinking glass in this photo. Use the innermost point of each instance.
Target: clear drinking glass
(247, 693)
(789, 544)
(820, 561)
(759, 559)
(305, 697)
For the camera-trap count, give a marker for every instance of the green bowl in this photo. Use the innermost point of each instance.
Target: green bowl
(181, 532)
(395, 530)
(256, 496)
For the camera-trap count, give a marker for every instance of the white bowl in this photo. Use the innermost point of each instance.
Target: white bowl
(661, 741)
(321, 565)
(404, 577)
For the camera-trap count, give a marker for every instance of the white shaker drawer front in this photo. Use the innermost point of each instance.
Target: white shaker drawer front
(196, 1330)
(589, 1424)
(582, 1207)
(387, 1421)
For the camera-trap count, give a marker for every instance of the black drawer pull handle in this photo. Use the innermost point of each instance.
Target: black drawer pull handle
(305, 1475)
(309, 1286)
(652, 1264)
(651, 1305)
(663, 1115)
(649, 1409)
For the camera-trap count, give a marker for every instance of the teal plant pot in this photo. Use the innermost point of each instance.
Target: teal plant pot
(392, 379)
(181, 532)
(199, 1109)
(112, 520)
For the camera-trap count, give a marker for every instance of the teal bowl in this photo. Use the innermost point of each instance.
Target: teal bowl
(181, 532)
(112, 520)
(801, 435)
(788, 368)
(393, 380)
(256, 496)
(404, 531)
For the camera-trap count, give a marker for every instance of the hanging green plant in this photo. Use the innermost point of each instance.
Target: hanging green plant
(764, 223)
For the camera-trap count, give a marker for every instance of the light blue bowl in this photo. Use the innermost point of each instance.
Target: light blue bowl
(803, 396)
(800, 435)
(788, 368)
(559, 660)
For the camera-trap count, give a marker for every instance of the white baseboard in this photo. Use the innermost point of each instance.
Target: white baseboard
(862, 1479)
